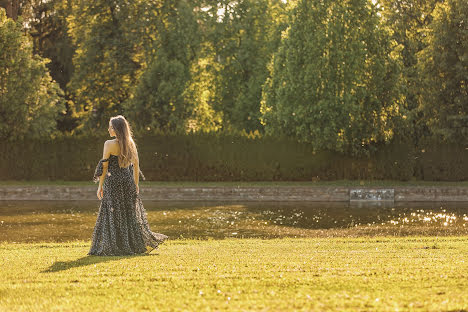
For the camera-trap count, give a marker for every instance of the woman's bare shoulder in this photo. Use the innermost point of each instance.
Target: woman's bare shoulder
(112, 145)
(112, 142)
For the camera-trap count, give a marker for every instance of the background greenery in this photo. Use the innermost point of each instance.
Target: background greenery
(227, 157)
(246, 90)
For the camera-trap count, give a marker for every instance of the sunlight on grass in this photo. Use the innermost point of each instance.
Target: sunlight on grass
(418, 274)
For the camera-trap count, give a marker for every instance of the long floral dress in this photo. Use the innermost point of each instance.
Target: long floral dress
(121, 227)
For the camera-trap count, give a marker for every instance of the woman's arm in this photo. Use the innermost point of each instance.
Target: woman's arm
(105, 155)
(136, 169)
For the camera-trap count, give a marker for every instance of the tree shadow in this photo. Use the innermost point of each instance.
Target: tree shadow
(89, 260)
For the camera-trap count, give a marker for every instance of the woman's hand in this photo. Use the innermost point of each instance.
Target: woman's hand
(99, 192)
(137, 189)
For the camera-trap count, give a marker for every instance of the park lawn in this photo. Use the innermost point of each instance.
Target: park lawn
(314, 274)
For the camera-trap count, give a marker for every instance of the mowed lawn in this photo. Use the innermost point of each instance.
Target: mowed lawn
(289, 274)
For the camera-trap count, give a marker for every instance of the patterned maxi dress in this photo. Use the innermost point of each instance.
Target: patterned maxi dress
(121, 226)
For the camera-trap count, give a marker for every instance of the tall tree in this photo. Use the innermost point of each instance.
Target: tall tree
(333, 81)
(12, 8)
(47, 25)
(29, 99)
(444, 66)
(408, 20)
(171, 39)
(105, 62)
(245, 36)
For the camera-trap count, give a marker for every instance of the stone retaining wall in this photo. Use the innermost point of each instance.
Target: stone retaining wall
(263, 193)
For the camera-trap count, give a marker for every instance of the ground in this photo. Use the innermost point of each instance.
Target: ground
(289, 274)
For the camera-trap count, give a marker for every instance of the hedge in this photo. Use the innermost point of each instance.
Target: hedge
(214, 157)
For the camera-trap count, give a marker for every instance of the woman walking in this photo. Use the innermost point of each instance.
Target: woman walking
(121, 227)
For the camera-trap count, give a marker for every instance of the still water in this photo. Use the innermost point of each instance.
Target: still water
(61, 221)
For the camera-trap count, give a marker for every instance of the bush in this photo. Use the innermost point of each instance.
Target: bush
(229, 157)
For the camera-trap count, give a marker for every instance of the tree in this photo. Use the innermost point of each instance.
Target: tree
(246, 35)
(171, 40)
(333, 81)
(444, 65)
(46, 23)
(407, 21)
(29, 99)
(12, 8)
(106, 61)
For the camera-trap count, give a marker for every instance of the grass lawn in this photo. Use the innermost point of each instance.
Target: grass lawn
(313, 274)
(343, 183)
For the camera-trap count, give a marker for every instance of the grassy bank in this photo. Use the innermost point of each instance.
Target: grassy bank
(344, 183)
(314, 274)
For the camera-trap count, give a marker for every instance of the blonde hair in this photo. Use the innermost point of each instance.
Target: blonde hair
(124, 135)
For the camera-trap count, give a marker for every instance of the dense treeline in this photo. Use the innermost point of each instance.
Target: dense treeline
(341, 76)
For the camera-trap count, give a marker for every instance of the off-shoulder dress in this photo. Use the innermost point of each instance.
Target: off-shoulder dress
(121, 227)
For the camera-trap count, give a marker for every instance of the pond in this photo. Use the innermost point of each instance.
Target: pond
(61, 221)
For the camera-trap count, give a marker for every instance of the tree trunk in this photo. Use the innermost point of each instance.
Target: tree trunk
(11, 7)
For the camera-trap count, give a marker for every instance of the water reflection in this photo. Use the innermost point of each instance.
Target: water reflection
(59, 221)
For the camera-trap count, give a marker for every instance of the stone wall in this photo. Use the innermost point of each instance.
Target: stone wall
(263, 193)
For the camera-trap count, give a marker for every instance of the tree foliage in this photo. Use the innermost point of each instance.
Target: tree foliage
(245, 36)
(46, 23)
(407, 21)
(333, 81)
(105, 62)
(444, 68)
(171, 43)
(29, 99)
(342, 75)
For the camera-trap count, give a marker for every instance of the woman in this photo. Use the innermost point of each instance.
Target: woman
(121, 227)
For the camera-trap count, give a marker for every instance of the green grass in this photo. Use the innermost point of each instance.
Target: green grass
(313, 274)
(344, 183)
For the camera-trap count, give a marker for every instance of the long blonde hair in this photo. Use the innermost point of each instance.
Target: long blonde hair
(124, 135)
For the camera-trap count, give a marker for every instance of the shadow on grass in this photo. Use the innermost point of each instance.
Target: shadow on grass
(88, 260)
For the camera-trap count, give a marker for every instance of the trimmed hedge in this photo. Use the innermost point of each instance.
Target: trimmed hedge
(215, 157)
